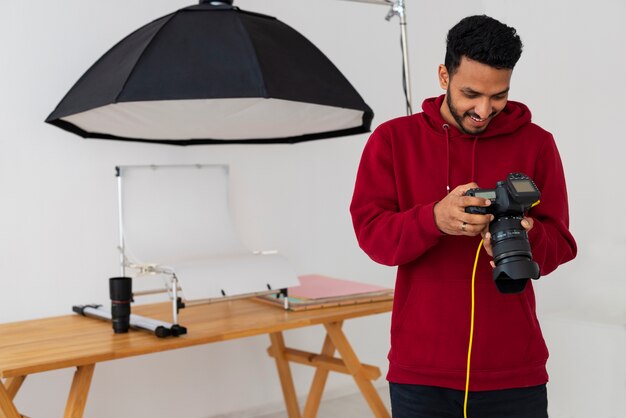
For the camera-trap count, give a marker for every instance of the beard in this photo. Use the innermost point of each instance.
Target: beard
(460, 119)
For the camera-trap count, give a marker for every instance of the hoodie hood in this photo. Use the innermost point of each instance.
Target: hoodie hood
(513, 116)
(510, 119)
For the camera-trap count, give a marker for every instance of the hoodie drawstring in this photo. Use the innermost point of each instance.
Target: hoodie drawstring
(446, 128)
(473, 178)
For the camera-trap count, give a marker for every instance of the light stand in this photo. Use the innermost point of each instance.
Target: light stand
(398, 9)
(159, 328)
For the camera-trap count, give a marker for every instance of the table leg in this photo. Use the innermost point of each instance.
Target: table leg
(354, 365)
(7, 407)
(319, 381)
(78, 393)
(284, 372)
(13, 385)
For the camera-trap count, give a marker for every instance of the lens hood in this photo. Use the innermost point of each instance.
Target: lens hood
(511, 277)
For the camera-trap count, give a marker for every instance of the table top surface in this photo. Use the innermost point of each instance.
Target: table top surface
(45, 344)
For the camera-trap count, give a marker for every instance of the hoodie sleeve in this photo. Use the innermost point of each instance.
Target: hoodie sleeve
(387, 234)
(551, 242)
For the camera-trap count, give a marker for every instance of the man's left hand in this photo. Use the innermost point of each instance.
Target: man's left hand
(527, 224)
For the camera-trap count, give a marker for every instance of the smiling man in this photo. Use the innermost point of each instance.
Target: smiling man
(475, 95)
(408, 210)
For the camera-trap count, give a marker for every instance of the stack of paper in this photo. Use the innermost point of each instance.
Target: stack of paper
(316, 291)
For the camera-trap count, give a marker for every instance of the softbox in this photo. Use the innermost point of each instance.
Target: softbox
(212, 73)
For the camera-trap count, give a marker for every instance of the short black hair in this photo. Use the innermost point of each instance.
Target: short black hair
(484, 39)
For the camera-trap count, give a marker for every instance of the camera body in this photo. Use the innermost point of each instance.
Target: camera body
(510, 200)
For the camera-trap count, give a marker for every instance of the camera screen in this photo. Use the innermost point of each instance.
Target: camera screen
(523, 186)
(491, 194)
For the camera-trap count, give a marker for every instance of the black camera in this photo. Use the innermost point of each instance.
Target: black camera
(510, 200)
(121, 293)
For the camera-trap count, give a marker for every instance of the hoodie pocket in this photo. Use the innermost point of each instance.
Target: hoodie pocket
(507, 333)
(432, 330)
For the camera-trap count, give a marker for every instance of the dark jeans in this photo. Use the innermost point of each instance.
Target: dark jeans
(415, 401)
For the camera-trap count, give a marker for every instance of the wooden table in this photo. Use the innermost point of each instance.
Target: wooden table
(42, 345)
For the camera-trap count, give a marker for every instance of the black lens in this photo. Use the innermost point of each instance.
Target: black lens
(121, 292)
(511, 254)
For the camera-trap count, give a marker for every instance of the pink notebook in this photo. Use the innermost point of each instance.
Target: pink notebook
(315, 286)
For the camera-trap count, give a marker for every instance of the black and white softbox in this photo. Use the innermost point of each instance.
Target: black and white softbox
(212, 73)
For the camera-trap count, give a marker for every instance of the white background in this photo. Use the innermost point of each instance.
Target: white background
(58, 229)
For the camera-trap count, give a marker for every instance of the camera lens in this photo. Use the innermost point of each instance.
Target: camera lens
(121, 293)
(511, 255)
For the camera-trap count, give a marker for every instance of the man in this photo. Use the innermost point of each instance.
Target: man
(408, 210)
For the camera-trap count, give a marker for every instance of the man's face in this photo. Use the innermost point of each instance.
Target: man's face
(475, 94)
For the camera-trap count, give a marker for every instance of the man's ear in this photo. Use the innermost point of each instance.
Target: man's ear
(444, 77)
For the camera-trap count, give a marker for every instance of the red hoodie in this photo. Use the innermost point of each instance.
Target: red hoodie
(406, 167)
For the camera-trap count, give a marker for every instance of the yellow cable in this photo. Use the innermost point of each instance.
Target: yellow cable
(471, 338)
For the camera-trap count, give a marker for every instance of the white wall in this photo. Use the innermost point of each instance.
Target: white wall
(58, 214)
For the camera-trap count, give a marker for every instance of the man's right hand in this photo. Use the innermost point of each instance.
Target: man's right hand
(450, 215)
